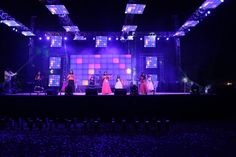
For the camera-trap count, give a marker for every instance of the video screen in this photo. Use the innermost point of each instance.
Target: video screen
(151, 62)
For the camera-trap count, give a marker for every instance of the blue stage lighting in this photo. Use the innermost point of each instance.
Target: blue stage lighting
(11, 23)
(150, 41)
(57, 9)
(27, 33)
(71, 28)
(56, 41)
(101, 41)
(129, 28)
(135, 8)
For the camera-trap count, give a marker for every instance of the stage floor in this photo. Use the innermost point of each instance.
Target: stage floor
(83, 94)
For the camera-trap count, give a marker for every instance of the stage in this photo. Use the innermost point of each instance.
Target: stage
(99, 94)
(175, 106)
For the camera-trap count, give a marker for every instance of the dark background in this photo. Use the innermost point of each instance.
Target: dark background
(207, 52)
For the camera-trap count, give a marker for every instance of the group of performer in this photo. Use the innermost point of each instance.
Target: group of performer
(146, 85)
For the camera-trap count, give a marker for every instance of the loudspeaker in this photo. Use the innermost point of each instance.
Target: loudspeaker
(120, 92)
(52, 92)
(91, 92)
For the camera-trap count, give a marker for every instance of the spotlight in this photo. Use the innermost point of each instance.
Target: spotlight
(208, 12)
(93, 38)
(16, 30)
(51, 71)
(109, 38)
(117, 38)
(40, 38)
(185, 79)
(128, 71)
(13, 29)
(48, 38)
(141, 38)
(167, 38)
(158, 38)
(65, 38)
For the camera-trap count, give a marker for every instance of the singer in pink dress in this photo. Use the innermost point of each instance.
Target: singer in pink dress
(106, 89)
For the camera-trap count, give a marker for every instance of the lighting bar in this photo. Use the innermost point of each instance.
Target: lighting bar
(129, 28)
(179, 33)
(135, 8)
(211, 4)
(27, 33)
(57, 9)
(190, 23)
(11, 23)
(71, 28)
(79, 37)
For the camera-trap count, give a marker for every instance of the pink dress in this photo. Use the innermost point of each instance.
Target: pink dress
(105, 86)
(143, 86)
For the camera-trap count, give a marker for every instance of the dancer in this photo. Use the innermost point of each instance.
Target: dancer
(150, 85)
(7, 84)
(105, 85)
(71, 81)
(143, 84)
(38, 85)
(92, 81)
(118, 84)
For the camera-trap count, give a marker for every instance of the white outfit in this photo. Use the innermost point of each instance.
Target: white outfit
(118, 84)
(150, 85)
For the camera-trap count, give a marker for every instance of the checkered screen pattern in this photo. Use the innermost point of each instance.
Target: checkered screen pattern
(84, 66)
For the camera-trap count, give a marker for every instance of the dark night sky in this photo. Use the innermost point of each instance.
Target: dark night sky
(207, 51)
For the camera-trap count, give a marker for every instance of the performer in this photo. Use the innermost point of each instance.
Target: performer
(38, 79)
(105, 85)
(143, 84)
(7, 84)
(150, 85)
(118, 84)
(92, 81)
(71, 81)
(38, 85)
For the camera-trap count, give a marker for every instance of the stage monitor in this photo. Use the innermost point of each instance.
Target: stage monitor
(101, 41)
(150, 41)
(151, 62)
(55, 63)
(56, 41)
(54, 80)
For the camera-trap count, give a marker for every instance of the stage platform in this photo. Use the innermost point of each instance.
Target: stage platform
(171, 105)
(100, 94)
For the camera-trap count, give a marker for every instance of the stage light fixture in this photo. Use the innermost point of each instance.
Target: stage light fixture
(109, 38)
(57, 9)
(11, 23)
(141, 38)
(179, 33)
(191, 23)
(71, 28)
(27, 33)
(40, 38)
(211, 4)
(129, 28)
(65, 38)
(167, 38)
(79, 37)
(128, 71)
(158, 38)
(48, 38)
(135, 8)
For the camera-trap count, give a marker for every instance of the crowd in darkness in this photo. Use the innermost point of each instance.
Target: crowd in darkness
(195, 139)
